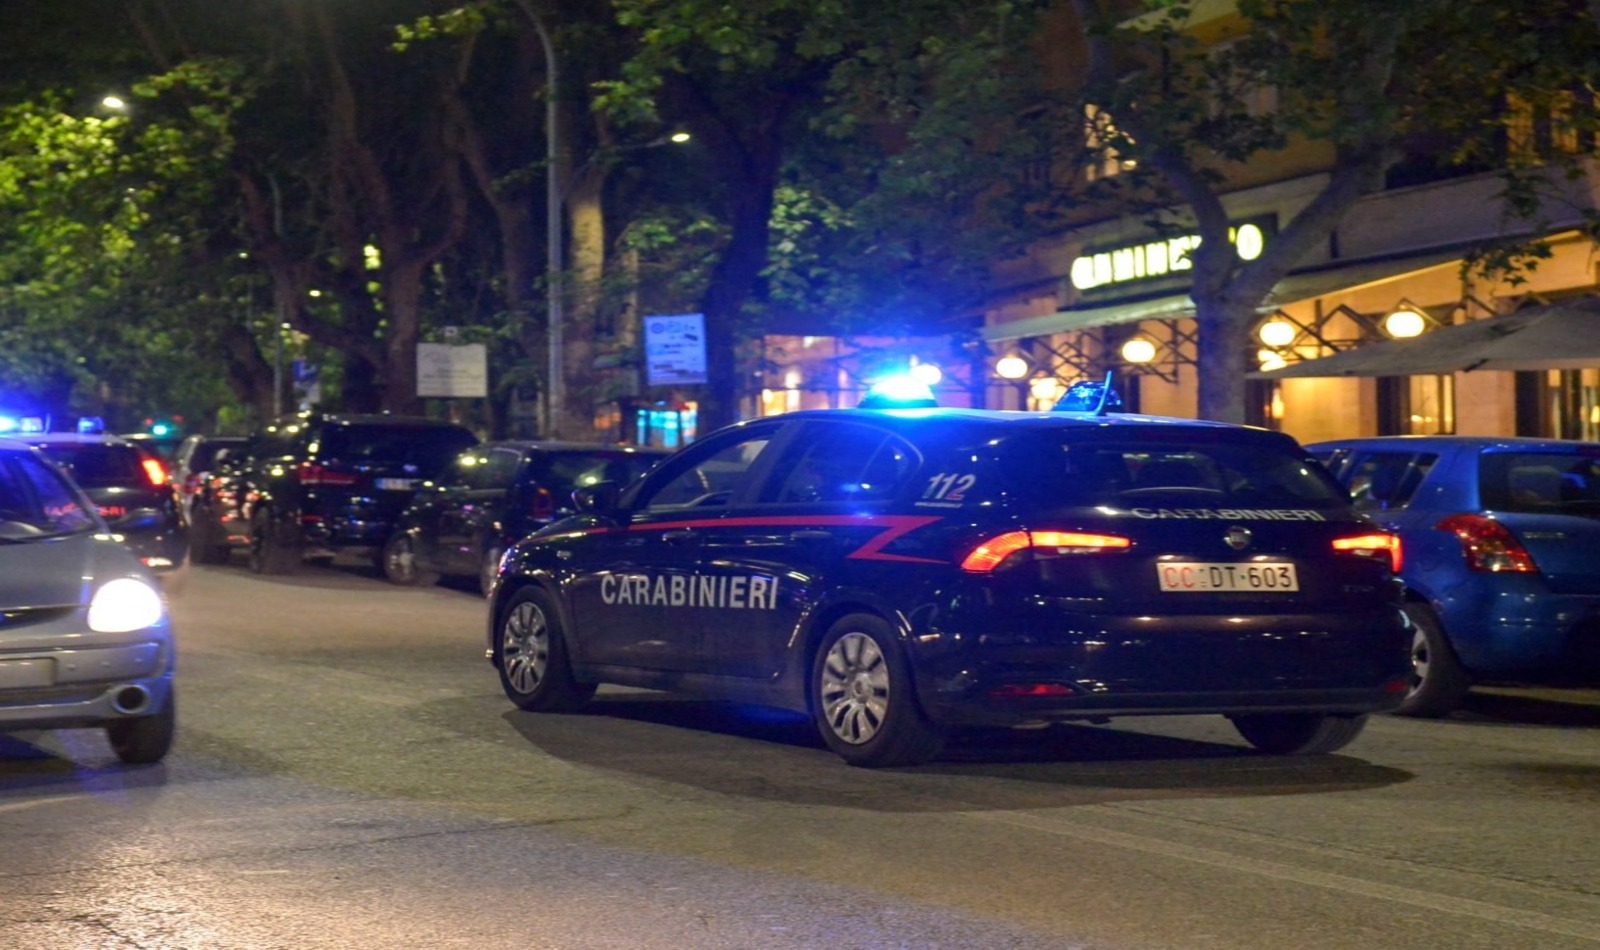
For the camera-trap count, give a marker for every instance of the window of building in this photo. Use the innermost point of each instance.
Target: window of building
(1100, 137)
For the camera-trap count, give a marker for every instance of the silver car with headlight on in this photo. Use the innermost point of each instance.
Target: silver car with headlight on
(85, 640)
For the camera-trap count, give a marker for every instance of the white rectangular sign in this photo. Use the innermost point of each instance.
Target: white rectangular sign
(675, 349)
(459, 372)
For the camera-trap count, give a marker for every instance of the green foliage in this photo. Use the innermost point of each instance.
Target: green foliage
(100, 218)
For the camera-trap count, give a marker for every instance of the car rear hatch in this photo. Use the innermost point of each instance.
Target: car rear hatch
(1549, 500)
(1210, 565)
(384, 464)
(119, 479)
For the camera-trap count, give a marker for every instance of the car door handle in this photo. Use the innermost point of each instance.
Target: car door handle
(678, 537)
(811, 534)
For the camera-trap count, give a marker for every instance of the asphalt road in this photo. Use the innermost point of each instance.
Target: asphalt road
(348, 774)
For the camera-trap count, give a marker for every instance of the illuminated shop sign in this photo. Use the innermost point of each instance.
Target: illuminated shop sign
(1119, 265)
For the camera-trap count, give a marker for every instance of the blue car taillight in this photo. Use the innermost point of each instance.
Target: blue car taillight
(1487, 544)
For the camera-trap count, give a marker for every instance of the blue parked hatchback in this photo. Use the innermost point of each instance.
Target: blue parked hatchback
(1502, 554)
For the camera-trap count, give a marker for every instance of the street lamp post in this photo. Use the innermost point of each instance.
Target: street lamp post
(555, 384)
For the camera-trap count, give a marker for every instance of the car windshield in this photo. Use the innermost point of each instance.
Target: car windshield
(95, 465)
(1050, 470)
(36, 502)
(1545, 482)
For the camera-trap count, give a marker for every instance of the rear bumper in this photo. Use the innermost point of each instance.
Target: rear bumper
(1096, 666)
(1522, 629)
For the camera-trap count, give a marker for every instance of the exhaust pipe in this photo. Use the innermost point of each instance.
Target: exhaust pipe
(130, 699)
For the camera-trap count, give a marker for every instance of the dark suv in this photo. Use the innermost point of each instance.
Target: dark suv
(313, 485)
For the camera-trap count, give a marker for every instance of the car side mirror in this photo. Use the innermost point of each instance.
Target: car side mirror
(601, 498)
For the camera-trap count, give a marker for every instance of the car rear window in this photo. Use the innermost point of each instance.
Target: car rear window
(100, 466)
(1540, 481)
(429, 448)
(1050, 470)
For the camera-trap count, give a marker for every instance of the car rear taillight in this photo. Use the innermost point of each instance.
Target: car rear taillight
(1373, 545)
(154, 471)
(310, 473)
(1488, 545)
(988, 555)
(544, 504)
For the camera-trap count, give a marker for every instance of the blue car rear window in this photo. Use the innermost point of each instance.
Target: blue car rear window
(1540, 482)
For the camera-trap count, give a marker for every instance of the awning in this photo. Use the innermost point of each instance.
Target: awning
(1159, 308)
(1561, 335)
(1301, 285)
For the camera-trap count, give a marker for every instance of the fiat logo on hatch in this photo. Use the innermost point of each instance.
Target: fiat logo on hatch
(1237, 538)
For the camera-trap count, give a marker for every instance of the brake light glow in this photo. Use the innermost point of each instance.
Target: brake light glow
(310, 473)
(1370, 545)
(1030, 690)
(1487, 544)
(544, 504)
(988, 555)
(154, 471)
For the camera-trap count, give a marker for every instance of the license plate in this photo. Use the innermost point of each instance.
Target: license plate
(1199, 577)
(22, 674)
(396, 484)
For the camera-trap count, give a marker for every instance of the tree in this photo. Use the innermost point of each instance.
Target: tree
(1364, 79)
(760, 82)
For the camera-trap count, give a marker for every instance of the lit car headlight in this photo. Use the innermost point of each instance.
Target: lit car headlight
(124, 604)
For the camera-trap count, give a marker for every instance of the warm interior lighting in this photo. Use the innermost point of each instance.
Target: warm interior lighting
(1277, 332)
(1011, 367)
(1045, 389)
(1404, 323)
(1270, 360)
(1138, 350)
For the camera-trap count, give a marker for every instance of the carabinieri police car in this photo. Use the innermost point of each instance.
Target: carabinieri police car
(895, 573)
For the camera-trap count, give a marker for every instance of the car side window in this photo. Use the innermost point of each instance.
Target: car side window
(841, 463)
(708, 478)
(501, 470)
(1381, 481)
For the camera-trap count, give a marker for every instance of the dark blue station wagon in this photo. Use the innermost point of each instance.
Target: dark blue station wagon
(897, 573)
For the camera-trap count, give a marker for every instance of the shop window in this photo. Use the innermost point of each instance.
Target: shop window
(1570, 405)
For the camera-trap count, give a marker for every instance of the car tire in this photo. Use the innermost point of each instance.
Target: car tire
(399, 562)
(273, 550)
(863, 700)
(1438, 683)
(488, 567)
(530, 651)
(1299, 733)
(203, 546)
(143, 740)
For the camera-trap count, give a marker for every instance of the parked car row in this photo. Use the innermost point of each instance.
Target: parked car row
(417, 498)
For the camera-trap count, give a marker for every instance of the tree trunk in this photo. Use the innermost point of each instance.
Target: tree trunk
(585, 211)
